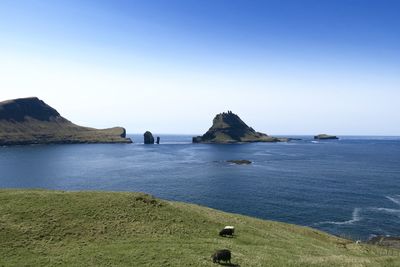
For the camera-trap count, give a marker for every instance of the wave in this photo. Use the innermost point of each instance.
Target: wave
(394, 200)
(355, 217)
(393, 211)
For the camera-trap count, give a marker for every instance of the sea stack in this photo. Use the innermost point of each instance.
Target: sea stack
(148, 138)
(325, 137)
(26, 121)
(229, 128)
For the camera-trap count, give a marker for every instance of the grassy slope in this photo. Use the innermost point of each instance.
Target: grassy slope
(99, 228)
(33, 131)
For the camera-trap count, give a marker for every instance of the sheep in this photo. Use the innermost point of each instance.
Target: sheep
(228, 230)
(221, 255)
(225, 232)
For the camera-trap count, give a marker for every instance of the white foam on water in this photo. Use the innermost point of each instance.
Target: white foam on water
(355, 217)
(393, 211)
(394, 200)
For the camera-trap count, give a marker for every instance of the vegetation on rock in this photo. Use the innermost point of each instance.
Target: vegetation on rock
(229, 128)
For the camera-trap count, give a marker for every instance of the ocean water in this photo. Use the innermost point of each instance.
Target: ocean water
(348, 187)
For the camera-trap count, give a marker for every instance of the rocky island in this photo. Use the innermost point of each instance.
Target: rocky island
(325, 137)
(229, 128)
(27, 121)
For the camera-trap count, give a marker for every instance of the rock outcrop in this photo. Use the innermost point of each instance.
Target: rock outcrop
(387, 241)
(325, 137)
(148, 138)
(27, 121)
(239, 161)
(229, 128)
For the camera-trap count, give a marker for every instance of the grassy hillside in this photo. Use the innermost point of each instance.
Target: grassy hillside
(133, 229)
(53, 132)
(31, 121)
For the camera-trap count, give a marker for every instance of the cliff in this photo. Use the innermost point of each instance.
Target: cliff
(31, 121)
(229, 128)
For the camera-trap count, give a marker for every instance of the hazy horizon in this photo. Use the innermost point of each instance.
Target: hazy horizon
(285, 67)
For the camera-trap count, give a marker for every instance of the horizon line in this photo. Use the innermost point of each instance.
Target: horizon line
(343, 135)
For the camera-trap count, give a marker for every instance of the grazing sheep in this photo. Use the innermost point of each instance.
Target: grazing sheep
(225, 232)
(221, 255)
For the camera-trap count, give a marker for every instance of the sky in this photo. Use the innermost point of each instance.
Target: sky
(284, 66)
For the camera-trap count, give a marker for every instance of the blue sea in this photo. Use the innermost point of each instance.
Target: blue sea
(348, 187)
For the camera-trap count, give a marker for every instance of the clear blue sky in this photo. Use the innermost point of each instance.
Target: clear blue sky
(285, 67)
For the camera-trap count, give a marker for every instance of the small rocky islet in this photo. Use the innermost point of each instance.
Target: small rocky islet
(239, 161)
(325, 137)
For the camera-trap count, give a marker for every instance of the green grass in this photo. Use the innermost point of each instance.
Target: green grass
(59, 131)
(132, 229)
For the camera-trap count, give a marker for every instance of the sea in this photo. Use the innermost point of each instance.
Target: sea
(348, 187)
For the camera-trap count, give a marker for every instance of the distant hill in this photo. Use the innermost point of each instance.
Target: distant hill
(56, 228)
(227, 127)
(31, 121)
